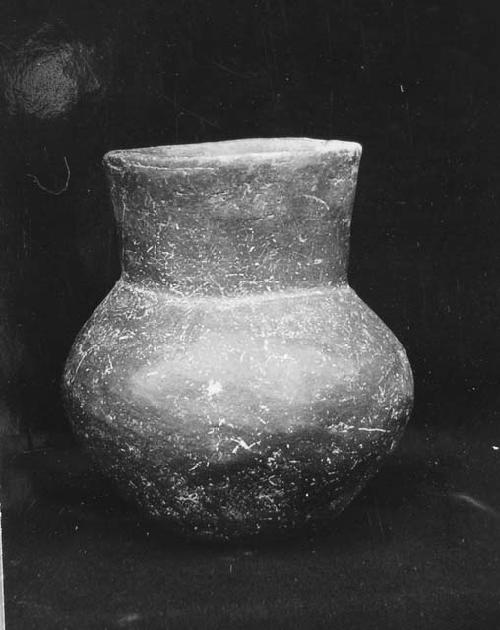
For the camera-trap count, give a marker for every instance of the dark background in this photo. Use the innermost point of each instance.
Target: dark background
(415, 82)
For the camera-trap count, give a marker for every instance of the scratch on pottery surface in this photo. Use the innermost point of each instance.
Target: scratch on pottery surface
(79, 364)
(240, 442)
(320, 201)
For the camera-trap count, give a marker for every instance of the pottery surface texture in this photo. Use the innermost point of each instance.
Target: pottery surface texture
(232, 383)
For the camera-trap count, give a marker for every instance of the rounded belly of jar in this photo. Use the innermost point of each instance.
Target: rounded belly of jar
(277, 365)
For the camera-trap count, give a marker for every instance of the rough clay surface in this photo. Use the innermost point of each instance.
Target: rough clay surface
(232, 383)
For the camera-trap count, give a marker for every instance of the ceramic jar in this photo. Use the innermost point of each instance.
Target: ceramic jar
(232, 383)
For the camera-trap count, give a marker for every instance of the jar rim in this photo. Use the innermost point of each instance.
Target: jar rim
(255, 149)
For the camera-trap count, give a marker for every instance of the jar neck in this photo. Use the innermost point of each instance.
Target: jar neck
(236, 225)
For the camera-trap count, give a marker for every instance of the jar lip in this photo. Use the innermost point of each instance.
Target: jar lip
(254, 149)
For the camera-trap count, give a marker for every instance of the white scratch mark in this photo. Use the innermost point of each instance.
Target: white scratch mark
(240, 442)
(318, 200)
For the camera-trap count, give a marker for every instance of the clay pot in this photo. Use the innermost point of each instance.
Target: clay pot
(232, 383)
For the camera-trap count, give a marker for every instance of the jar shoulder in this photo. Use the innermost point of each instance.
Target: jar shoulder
(320, 339)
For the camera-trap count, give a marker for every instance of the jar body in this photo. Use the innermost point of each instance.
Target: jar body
(231, 415)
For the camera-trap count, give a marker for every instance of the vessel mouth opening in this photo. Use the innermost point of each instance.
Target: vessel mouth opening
(263, 148)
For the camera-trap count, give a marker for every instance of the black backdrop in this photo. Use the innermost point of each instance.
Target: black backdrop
(414, 82)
